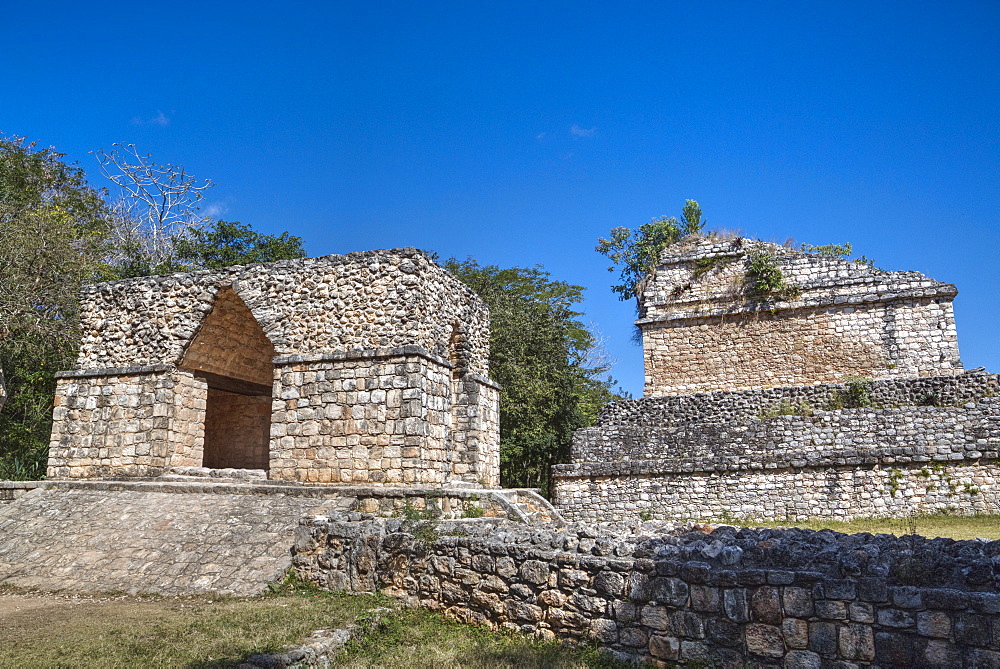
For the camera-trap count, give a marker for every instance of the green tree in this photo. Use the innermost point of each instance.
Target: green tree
(547, 362)
(53, 232)
(225, 243)
(636, 252)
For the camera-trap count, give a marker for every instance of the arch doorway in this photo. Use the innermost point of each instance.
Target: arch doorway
(234, 357)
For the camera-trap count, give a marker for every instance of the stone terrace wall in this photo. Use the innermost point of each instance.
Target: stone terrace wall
(727, 406)
(703, 332)
(839, 464)
(790, 598)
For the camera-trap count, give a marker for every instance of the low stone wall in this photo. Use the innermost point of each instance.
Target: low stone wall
(838, 493)
(723, 406)
(11, 490)
(731, 598)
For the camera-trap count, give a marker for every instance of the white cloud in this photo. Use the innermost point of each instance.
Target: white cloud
(215, 209)
(577, 131)
(160, 119)
(540, 136)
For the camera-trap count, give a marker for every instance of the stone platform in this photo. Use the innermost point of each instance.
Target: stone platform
(185, 535)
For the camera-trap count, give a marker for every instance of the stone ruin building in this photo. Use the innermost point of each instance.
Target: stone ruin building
(339, 377)
(840, 395)
(367, 367)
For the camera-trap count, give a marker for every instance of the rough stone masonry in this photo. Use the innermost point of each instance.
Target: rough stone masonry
(840, 394)
(367, 367)
(661, 594)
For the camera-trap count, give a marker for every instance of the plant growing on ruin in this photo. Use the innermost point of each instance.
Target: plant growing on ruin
(472, 511)
(765, 279)
(896, 477)
(858, 392)
(787, 408)
(635, 253)
(829, 250)
(703, 266)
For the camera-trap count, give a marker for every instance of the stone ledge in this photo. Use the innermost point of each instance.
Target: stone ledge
(114, 371)
(363, 354)
(762, 463)
(482, 380)
(805, 304)
(290, 488)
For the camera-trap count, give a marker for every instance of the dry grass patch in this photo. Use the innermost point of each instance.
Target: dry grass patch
(422, 639)
(56, 630)
(930, 525)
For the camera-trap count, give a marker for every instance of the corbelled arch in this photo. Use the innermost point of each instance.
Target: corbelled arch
(234, 357)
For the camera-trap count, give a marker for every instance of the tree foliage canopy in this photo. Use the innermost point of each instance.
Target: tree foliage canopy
(53, 229)
(224, 243)
(549, 366)
(636, 252)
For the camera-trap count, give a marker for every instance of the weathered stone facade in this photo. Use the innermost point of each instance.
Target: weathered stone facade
(841, 464)
(903, 430)
(367, 367)
(703, 330)
(732, 598)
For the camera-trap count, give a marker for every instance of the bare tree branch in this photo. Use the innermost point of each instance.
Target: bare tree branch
(158, 203)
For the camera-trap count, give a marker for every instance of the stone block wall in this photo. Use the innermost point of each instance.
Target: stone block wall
(384, 416)
(476, 429)
(731, 598)
(703, 330)
(125, 422)
(842, 464)
(379, 418)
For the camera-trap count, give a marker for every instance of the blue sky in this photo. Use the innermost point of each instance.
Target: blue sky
(518, 133)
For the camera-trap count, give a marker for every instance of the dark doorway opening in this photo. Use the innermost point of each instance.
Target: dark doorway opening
(234, 356)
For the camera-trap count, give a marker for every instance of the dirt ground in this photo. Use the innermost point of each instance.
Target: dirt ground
(23, 614)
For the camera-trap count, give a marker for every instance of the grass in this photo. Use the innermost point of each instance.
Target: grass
(419, 638)
(983, 526)
(119, 631)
